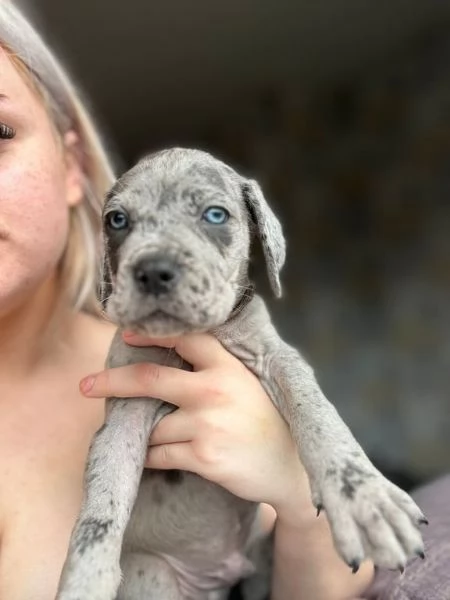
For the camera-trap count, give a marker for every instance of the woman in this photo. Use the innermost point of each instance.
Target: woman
(53, 175)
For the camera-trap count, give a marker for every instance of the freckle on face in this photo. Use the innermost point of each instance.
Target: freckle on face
(34, 215)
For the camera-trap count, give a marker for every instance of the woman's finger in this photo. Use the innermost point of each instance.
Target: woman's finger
(201, 350)
(170, 384)
(175, 427)
(172, 456)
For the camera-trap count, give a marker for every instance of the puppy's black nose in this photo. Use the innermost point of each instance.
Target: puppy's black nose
(156, 275)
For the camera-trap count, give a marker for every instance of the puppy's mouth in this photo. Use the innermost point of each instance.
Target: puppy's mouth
(161, 322)
(161, 315)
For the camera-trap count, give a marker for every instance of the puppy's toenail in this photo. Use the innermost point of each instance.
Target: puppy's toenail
(420, 554)
(423, 521)
(354, 565)
(401, 568)
(319, 509)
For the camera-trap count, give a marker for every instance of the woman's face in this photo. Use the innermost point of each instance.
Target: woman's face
(39, 181)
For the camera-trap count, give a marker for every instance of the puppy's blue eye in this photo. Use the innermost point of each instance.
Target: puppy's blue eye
(117, 220)
(216, 215)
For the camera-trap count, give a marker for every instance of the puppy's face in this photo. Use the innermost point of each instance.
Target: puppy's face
(176, 239)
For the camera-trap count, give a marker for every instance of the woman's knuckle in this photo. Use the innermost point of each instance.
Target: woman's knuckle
(208, 428)
(165, 454)
(216, 389)
(106, 381)
(208, 454)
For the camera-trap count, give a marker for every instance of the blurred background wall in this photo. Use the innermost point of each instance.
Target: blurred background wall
(342, 109)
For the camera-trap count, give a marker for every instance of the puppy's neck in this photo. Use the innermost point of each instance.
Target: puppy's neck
(244, 299)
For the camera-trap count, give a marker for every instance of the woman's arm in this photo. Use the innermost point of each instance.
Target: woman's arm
(228, 431)
(306, 564)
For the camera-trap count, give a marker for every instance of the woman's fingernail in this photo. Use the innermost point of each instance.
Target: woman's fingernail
(128, 334)
(87, 384)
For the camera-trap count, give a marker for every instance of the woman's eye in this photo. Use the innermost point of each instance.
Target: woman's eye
(117, 220)
(216, 215)
(6, 133)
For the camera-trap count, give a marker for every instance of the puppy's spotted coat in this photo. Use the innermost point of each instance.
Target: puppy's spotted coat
(178, 228)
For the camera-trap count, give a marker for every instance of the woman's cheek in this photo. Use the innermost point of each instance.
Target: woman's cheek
(35, 212)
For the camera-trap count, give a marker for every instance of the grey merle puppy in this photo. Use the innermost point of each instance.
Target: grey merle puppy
(178, 229)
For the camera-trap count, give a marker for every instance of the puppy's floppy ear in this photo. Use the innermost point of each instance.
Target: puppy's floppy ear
(269, 231)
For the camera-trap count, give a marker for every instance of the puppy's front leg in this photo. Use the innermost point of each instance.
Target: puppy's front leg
(113, 472)
(369, 516)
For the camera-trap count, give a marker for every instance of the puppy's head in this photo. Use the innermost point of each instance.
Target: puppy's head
(177, 230)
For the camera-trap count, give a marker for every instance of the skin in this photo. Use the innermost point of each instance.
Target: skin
(47, 421)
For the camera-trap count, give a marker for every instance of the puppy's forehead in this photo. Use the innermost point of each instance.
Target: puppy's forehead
(181, 163)
(177, 173)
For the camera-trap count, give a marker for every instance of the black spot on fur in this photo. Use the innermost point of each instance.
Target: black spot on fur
(210, 175)
(220, 235)
(91, 476)
(152, 221)
(348, 489)
(113, 241)
(92, 463)
(141, 572)
(92, 531)
(102, 429)
(352, 477)
(168, 196)
(173, 476)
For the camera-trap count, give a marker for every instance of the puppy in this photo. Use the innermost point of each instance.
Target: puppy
(177, 233)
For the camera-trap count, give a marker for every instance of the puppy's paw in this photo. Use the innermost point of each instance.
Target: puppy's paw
(369, 516)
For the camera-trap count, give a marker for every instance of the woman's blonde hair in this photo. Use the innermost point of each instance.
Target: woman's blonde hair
(79, 264)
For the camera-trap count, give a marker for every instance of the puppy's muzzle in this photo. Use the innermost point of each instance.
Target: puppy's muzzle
(156, 275)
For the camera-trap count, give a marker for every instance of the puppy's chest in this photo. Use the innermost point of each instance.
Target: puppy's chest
(190, 516)
(198, 527)
(198, 582)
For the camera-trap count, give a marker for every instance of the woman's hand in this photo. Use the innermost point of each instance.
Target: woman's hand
(226, 429)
